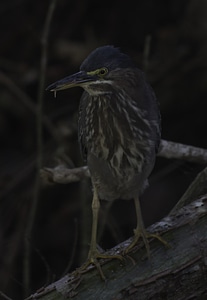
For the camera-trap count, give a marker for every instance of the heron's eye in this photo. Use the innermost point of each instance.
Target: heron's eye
(102, 71)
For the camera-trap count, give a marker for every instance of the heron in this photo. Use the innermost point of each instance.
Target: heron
(119, 133)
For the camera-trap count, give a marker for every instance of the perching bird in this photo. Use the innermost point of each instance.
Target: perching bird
(119, 131)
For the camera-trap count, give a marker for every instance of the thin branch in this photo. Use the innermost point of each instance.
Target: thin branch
(174, 150)
(33, 209)
(4, 296)
(146, 52)
(61, 174)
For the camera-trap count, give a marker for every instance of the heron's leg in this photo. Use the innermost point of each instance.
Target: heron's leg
(95, 211)
(94, 254)
(140, 231)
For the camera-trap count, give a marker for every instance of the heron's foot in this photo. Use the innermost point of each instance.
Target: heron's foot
(93, 259)
(145, 236)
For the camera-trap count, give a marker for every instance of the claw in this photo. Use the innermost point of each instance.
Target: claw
(93, 258)
(145, 236)
(141, 232)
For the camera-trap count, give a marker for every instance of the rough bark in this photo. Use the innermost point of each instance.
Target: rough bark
(178, 272)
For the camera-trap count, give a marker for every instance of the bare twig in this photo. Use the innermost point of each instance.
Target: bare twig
(61, 174)
(146, 53)
(180, 151)
(4, 296)
(33, 209)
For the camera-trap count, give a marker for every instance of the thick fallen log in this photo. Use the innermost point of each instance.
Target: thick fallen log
(178, 272)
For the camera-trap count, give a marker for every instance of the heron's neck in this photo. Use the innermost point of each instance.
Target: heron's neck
(98, 88)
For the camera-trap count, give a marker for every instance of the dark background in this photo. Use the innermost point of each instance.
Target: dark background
(177, 71)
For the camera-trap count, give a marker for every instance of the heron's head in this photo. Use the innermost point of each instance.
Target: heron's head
(98, 72)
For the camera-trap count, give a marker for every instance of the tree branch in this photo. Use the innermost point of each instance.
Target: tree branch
(61, 174)
(170, 149)
(184, 262)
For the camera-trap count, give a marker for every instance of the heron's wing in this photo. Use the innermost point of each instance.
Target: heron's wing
(146, 114)
(156, 116)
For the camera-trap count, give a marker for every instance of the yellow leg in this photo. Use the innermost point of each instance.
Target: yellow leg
(95, 211)
(140, 231)
(94, 254)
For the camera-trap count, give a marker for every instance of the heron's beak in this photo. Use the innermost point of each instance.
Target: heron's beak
(74, 80)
